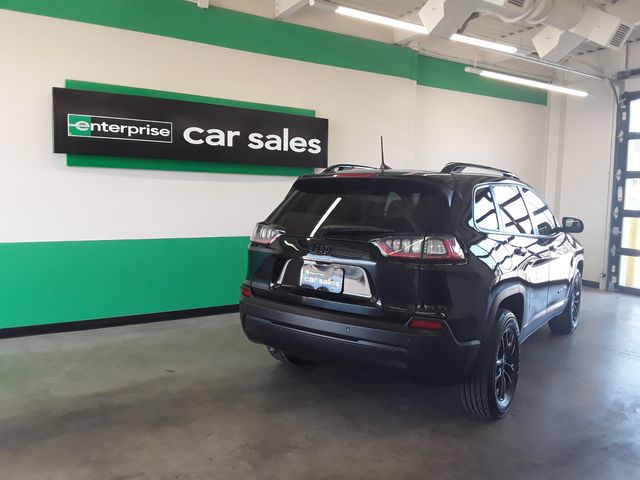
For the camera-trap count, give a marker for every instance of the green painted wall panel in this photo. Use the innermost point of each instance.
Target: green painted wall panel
(51, 282)
(438, 73)
(183, 165)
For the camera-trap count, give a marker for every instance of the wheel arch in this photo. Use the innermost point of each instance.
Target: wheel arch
(512, 297)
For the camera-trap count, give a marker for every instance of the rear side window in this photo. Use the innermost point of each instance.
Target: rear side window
(357, 206)
(512, 210)
(543, 219)
(484, 210)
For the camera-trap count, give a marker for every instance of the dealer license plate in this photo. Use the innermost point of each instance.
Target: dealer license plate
(326, 278)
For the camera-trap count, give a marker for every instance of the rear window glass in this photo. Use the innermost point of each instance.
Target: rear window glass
(370, 207)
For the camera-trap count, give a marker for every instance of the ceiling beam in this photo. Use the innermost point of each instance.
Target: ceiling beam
(402, 37)
(286, 8)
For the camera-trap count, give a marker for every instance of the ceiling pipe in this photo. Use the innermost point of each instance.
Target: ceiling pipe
(558, 66)
(330, 6)
(566, 23)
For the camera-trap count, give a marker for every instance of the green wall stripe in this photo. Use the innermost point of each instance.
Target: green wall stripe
(438, 73)
(146, 92)
(241, 31)
(183, 165)
(231, 29)
(52, 282)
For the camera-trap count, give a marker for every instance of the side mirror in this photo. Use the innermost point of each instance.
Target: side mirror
(571, 225)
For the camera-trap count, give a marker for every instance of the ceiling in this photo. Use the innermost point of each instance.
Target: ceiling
(487, 27)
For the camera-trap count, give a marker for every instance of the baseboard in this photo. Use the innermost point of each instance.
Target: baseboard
(590, 284)
(115, 321)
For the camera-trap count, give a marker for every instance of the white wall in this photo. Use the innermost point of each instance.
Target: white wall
(632, 61)
(462, 127)
(41, 199)
(581, 173)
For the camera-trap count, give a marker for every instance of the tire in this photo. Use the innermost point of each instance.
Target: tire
(287, 358)
(567, 322)
(490, 391)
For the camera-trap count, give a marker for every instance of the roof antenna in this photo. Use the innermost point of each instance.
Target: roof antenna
(383, 166)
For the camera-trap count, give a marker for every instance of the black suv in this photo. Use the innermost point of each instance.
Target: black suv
(441, 274)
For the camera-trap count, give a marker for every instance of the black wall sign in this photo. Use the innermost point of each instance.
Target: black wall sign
(95, 123)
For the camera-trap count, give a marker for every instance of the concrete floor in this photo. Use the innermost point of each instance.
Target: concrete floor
(192, 399)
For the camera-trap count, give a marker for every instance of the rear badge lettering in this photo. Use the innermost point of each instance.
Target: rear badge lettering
(319, 249)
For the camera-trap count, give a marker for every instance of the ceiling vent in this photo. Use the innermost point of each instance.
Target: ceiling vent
(566, 23)
(620, 37)
(517, 3)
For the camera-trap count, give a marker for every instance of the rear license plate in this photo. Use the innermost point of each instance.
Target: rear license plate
(326, 278)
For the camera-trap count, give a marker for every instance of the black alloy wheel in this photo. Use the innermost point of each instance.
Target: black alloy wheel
(506, 374)
(490, 391)
(567, 322)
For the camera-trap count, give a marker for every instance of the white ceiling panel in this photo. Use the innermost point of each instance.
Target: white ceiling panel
(487, 27)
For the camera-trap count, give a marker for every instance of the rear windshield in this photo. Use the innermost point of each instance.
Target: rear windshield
(357, 206)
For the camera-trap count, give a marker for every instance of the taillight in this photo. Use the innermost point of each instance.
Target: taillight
(405, 247)
(265, 234)
(440, 247)
(424, 324)
(245, 291)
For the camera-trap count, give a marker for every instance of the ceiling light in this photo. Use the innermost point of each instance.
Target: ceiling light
(456, 37)
(389, 22)
(526, 82)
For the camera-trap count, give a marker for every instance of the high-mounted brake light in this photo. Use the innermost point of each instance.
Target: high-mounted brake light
(443, 248)
(265, 234)
(356, 175)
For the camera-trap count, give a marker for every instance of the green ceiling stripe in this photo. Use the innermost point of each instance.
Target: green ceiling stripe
(231, 29)
(241, 31)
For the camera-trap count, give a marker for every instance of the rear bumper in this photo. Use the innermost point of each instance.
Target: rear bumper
(331, 337)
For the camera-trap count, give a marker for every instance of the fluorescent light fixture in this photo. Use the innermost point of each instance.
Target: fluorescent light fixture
(503, 77)
(456, 37)
(389, 22)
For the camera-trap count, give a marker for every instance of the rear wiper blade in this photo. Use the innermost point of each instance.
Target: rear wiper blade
(333, 229)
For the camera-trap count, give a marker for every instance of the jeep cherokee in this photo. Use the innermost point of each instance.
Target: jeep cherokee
(440, 274)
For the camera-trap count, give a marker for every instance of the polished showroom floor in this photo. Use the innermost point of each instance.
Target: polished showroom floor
(192, 399)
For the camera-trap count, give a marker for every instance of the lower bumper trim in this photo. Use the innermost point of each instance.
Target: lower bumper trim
(327, 337)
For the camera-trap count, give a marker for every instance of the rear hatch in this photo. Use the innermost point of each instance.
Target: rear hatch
(352, 243)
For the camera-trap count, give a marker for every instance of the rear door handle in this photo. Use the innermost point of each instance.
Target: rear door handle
(519, 251)
(552, 248)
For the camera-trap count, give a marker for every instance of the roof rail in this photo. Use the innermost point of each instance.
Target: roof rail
(346, 166)
(456, 167)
